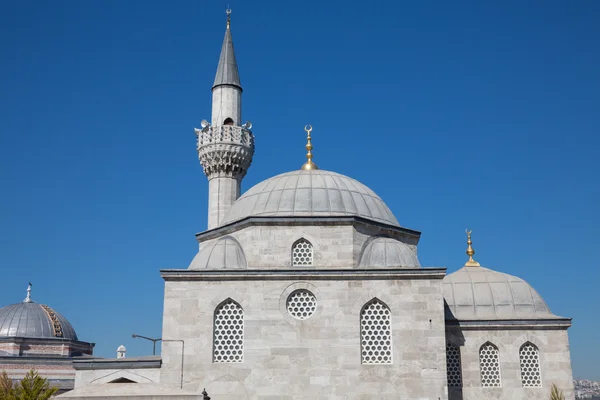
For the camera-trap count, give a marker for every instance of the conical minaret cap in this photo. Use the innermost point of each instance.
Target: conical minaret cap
(227, 70)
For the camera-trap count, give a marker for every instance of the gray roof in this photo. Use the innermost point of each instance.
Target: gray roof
(478, 293)
(33, 320)
(225, 253)
(311, 193)
(385, 252)
(227, 70)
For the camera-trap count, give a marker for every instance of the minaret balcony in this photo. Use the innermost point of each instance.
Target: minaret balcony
(225, 134)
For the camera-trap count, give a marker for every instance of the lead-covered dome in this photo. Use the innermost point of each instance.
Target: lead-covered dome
(478, 293)
(385, 252)
(225, 253)
(32, 320)
(311, 193)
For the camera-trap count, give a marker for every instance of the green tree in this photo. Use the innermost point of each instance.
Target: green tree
(32, 387)
(556, 394)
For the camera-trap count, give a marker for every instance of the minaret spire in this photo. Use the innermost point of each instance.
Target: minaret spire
(227, 70)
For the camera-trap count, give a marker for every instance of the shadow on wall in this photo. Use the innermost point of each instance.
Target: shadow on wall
(456, 338)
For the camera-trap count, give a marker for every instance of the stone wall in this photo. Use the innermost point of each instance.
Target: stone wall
(334, 245)
(318, 358)
(553, 346)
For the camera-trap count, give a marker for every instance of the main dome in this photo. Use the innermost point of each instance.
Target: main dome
(33, 320)
(315, 193)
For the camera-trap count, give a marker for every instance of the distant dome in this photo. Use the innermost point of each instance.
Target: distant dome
(388, 252)
(315, 193)
(477, 293)
(225, 253)
(33, 320)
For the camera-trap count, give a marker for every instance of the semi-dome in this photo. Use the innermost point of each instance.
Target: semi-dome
(225, 253)
(478, 293)
(311, 193)
(388, 252)
(32, 320)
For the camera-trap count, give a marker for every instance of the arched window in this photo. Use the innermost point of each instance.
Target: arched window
(302, 253)
(453, 366)
(228, 338)
(489, 363)
(529, 355)
(376, 333)
(228, 121)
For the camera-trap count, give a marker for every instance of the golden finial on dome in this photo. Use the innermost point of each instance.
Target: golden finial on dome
(470, 251)
(309, 165)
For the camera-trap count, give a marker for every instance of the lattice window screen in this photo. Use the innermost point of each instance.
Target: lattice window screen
(530, 366)
(376, 333)
(228, 341)
(489, 362)
(302, 253)
(301, 304)
(453, 365)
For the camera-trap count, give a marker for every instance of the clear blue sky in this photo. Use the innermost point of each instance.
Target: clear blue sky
(458, 114)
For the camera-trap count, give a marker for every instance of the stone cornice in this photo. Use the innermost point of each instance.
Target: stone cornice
(118, 363)
(304, 274)
(45, 341)
(301, 220)
(510, 324)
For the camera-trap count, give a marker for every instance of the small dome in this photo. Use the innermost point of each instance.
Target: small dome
(33, 320)
(477, 293)
(225, 253)
(315, 193)
(121, 348)
(388, 252)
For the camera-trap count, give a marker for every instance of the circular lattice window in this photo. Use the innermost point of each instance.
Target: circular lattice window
(301, 304)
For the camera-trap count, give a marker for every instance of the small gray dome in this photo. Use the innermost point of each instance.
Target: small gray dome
(33, 320)
(225, 253)
(477, 293)
(311, 193)
(388, 252)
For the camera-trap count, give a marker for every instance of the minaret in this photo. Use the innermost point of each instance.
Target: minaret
(225, 147)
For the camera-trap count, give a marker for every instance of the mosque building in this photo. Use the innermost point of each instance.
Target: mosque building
(307, 287)
(34, 336)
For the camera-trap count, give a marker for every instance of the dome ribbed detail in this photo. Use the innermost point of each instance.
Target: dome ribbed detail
(478, 293)
(384, 252)
(311, 193)
(225, 253)
(33, 320)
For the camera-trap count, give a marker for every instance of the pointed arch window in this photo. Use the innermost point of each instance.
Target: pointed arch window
(529, 356)
(489, 363)
(302, 253)
(453, 365)
(376, 333)
(228, 335)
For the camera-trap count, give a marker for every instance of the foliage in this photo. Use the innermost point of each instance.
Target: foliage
(6, 386)
(32, 387)
(556, 394)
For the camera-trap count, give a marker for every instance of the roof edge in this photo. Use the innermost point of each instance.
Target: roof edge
(301, 220)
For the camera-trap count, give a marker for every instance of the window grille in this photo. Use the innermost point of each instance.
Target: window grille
(489, 363)
(302, 253)
(453, 366)
(376, 333)
(529, 356)
(228, 341)
(301, 304)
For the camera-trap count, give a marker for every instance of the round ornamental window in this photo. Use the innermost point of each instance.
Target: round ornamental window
(301, 304)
